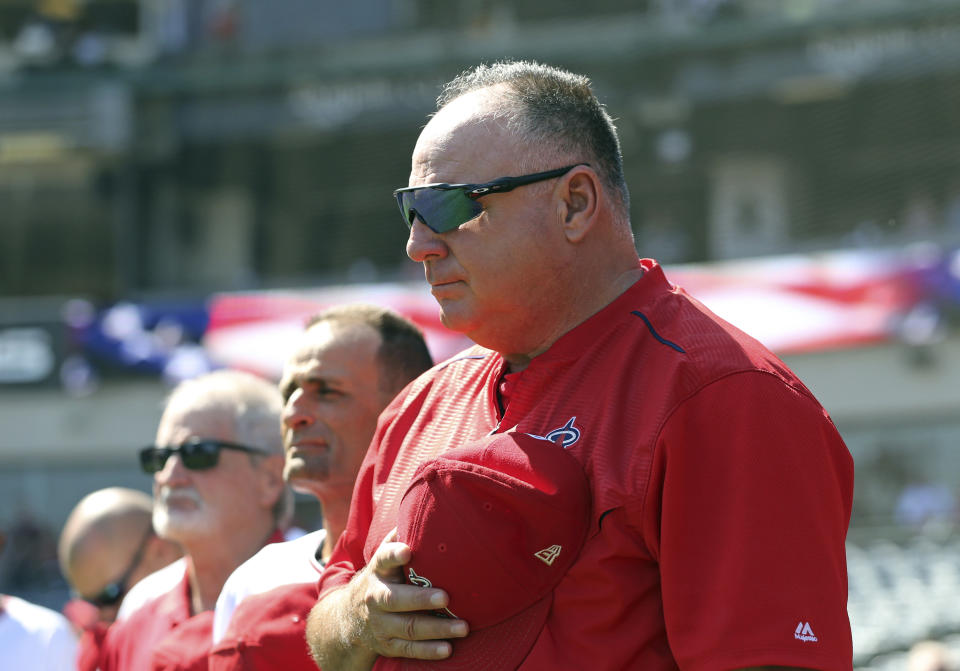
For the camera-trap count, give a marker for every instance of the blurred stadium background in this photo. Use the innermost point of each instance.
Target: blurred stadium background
(182, 181)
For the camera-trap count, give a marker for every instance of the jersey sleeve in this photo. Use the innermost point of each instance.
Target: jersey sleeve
(751, 494)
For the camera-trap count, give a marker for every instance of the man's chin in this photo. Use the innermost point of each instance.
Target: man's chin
(457, 317)
(304, 476)
(180, 525)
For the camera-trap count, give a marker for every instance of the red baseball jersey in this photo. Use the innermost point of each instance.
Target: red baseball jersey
(721, 488)
(267, 631)
(130, 643)
(186, 647)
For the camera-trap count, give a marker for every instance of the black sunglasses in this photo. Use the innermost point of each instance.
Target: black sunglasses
(116, 590)
(197, 454)
(443, 207)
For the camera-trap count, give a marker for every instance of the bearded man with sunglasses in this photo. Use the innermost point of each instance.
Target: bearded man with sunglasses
(219, 493)
(107, 545)
(720, 491)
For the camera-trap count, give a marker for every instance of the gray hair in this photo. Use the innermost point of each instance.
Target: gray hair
(252, 402)
(552, 108)
(256, 407)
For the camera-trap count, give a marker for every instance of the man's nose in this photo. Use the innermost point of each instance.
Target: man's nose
(173, 471)
(423, 243)
(295, 412)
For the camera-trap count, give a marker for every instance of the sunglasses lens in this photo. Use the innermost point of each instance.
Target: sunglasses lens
(441, 210)
(200, 455)
(152, 459)
(110, 595)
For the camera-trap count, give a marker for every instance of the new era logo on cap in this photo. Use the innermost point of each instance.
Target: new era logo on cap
(496, 524)
(548, 555)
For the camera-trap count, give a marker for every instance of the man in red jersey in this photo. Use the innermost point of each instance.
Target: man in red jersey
(219, 493)
(720, 490)
(349, 364)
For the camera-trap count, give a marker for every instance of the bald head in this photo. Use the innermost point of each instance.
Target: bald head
(109, 536)
(105, 516)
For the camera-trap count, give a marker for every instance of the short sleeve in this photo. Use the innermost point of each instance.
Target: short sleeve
(755, 488)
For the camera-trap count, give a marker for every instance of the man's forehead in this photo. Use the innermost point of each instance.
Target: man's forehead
(464, 142)
(205, 421)
(331, 346)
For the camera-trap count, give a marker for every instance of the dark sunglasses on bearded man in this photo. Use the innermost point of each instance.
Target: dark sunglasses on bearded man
(443, 207)
(197, 454)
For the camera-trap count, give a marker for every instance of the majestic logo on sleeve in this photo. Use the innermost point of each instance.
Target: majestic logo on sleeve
(565, 436)
(804, 632)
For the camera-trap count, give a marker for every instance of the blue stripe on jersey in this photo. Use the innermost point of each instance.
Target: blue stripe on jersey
(655, 334)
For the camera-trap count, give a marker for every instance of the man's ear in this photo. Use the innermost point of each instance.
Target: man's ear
(271, 478)
(579, 202)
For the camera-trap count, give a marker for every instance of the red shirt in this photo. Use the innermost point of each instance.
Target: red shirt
(88, 648)
(130, 643)
(186, 647)
(721, 488)
(267, 631)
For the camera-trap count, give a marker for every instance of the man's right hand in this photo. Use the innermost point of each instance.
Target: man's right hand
(377, 613)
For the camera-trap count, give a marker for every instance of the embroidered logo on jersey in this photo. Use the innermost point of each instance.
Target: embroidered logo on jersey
(421, 581)
(565, 436)
(804, 632)
(548, 555)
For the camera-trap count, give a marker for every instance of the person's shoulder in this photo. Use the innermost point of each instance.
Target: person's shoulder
(272, 563)
(152, 586)
(283, 608)
(267, 631)
(34, 617)
(471, 363)
(36, 636)
(679, 328)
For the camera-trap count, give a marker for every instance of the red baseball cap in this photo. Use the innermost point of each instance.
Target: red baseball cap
(496, 524)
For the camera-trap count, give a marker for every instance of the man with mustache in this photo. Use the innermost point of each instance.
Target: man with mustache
(349, 364)
(219, 493)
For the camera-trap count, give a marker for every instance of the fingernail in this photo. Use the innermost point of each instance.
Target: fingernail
(443, 649)
(459, 629)
(437, 599)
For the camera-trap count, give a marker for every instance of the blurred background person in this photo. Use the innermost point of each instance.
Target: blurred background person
(930, 656)
(32, 637)
(350, 363)
(108, 545)
(219, 493)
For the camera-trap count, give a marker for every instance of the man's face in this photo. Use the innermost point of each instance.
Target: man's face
(492, 275)
(331, 390)
(191, 505)
(104, 560)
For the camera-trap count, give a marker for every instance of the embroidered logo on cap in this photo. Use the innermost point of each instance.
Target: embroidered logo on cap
(421, 581)
(804, 632)
(548, 555)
